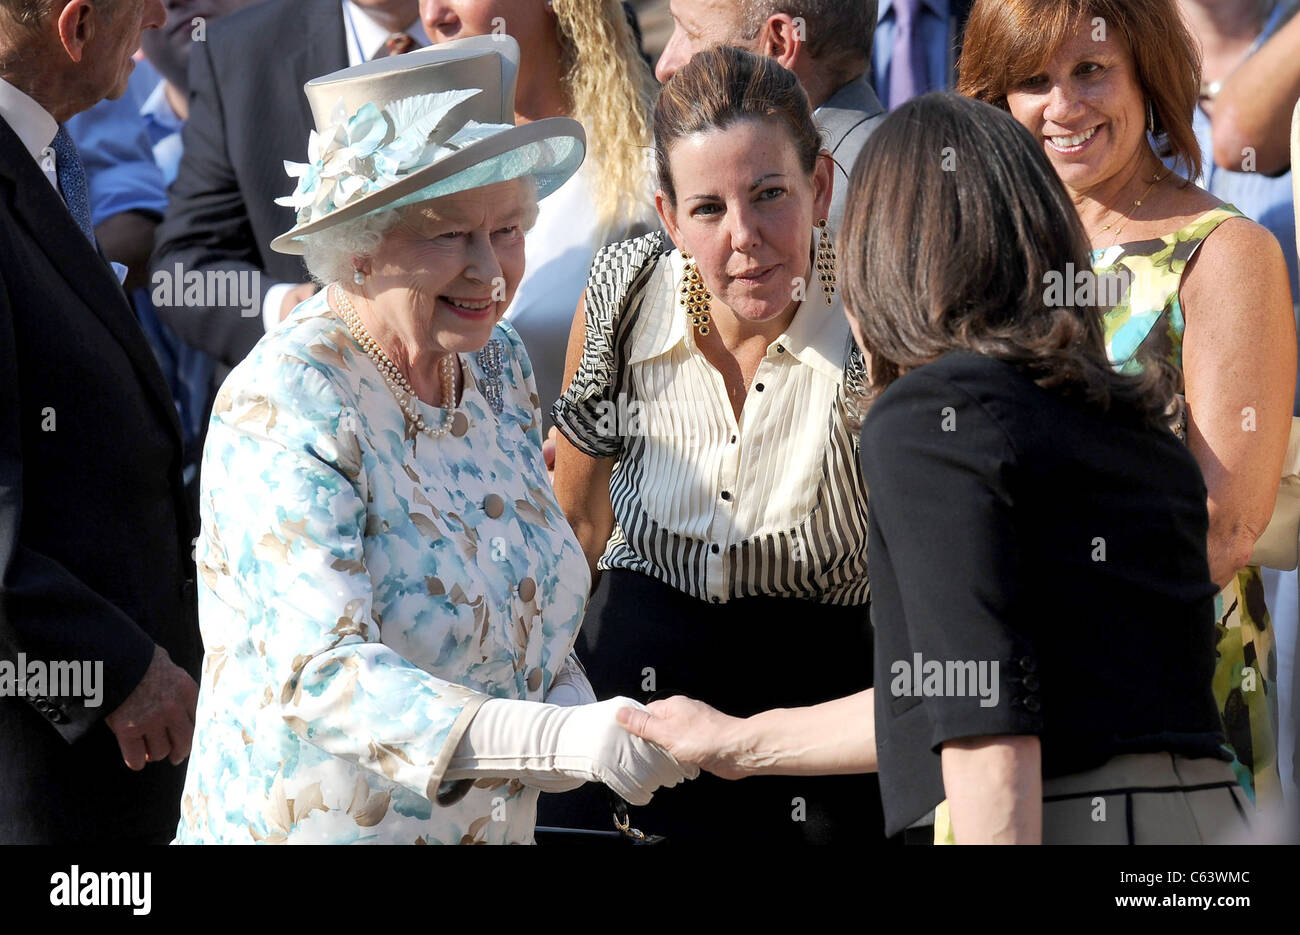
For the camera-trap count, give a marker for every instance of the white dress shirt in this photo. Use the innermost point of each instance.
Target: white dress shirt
(719, 506)
(366, 38)
(33, 125)
(768, 462)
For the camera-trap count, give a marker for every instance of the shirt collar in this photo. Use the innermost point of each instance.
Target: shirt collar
(660, 332)
(371, 36)
(157, 108)
(818, 334)
(31, 122)
(937, 7)
(816, 337)
(846, 108)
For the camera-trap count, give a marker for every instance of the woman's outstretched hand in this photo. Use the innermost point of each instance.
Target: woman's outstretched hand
(692, 732)
(832, 738)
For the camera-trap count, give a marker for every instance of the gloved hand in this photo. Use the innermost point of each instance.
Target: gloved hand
(571, 686)
(557, 749)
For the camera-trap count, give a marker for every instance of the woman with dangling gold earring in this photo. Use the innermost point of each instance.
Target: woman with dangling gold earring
(708, 463)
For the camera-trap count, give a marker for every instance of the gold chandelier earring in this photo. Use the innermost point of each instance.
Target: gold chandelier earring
(826, 261)
(695, 296)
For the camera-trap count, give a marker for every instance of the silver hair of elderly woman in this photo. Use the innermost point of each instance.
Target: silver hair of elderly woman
(329, 253)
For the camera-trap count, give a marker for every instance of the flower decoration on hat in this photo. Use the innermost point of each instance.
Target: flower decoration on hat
(375, 147)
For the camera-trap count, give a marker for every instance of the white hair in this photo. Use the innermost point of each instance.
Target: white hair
(329, 253)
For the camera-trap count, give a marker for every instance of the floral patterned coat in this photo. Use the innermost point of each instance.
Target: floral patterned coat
(363, 589)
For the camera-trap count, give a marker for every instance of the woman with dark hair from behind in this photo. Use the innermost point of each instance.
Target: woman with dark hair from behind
(1030, 512)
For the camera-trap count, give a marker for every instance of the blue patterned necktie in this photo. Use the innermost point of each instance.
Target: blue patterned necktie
(72, 181)
(907, 61)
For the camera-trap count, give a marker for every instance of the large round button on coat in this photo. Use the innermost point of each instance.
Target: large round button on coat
(527, 589)
(493, 505)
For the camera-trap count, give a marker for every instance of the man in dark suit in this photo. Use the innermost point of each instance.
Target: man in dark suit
(98, 629)
(247, 117)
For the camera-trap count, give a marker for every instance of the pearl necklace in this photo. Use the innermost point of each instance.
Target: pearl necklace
(394, 377)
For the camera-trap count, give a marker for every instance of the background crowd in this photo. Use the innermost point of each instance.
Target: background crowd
(340, 489)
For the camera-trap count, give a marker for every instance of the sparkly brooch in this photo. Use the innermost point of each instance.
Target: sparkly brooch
(491, 359)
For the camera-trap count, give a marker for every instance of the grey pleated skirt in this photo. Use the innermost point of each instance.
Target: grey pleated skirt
(1146, 798)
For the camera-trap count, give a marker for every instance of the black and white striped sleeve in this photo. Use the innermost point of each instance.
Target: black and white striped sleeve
(618, 274)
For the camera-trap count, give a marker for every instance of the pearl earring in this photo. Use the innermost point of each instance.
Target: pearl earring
(358, 277)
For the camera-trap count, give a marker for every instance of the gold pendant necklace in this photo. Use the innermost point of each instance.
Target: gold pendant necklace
(1136, 204)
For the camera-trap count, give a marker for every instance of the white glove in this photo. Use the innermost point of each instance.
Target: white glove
(571, 686)
(558, 749)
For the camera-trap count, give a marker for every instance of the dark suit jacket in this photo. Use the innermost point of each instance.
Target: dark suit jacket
(958, 13)
(95, 544)
(248, 114)
(846, 120)
(989, 499)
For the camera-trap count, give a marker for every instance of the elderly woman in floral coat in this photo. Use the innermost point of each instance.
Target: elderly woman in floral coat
(390, 593)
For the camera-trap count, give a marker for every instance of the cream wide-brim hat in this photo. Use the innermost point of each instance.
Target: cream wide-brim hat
(447, 111)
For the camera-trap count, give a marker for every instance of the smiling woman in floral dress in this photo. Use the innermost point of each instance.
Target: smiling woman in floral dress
(390, 594)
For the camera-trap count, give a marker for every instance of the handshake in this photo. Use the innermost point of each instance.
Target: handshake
(556, 747)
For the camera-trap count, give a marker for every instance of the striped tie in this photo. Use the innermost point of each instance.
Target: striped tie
(72, 181)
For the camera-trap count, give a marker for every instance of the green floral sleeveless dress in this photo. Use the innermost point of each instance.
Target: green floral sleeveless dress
(1146, 324)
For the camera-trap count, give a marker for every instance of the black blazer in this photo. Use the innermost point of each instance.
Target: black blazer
(248, 114)
(1048, 560)
(95, 542)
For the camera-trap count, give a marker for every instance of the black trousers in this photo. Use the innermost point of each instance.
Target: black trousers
(646, 640)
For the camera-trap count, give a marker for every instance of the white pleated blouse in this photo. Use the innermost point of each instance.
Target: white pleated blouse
(772, 503)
